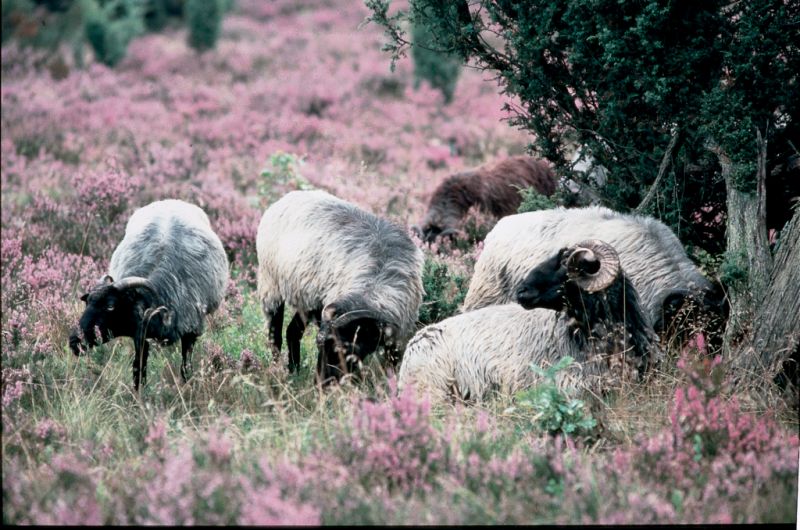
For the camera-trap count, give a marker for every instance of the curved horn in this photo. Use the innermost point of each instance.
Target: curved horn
(134, 281)
(355, 315)
(593, 265)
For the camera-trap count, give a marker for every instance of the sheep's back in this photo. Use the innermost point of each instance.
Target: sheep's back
(313, 247)
(483, 350)
(172, 244)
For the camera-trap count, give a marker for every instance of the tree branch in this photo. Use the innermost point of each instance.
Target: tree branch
(662, 170)
(491, 58)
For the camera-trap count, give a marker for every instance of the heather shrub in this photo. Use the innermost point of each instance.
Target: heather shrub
(392, 444)
(204, 19)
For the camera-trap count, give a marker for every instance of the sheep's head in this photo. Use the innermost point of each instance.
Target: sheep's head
(111, 311)
(589, 266)
(436, 226)
(349, 331)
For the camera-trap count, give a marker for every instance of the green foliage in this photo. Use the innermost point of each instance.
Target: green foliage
(439, 68)
(708, 263)
(107, 25)
(709, 72)
(44, 27)
(110, 26)
(733, 270)
(204, 18)
(444, 291)
(283, 171)
(533, 201)
(553, 410)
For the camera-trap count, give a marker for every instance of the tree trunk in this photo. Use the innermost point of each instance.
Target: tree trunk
(747, 247)
(763, 330)
(776, 329)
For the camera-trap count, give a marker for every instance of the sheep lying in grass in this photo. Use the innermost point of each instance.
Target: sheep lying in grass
(494, 189)
(578, 302)
(168, 272)
(651, 255)
(359, 276)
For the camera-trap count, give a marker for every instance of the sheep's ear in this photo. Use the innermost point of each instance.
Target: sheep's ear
(107, 279)
(329, 312)
(85, 298)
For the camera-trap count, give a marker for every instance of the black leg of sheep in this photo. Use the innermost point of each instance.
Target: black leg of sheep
(187, 344)
(294, 333)
(140, 355)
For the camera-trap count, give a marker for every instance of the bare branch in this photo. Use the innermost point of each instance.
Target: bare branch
(662, 170)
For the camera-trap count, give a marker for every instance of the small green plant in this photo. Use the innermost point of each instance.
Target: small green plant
(204, 18)
(533, 201)
(733, 270)
(444, 291)
(554, 410)
(283, 171)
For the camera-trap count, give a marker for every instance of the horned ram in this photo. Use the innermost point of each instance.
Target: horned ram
(652, 256)
(578, 302)
(169, 271)
(357, 275)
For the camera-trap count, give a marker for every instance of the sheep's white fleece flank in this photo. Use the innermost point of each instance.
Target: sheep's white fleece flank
(171, 243)
(490, 349)
(314, 248)
(651, 255)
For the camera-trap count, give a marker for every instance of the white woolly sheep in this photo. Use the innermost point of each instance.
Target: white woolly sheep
(577, 303)
(356, 274)
(651, 255)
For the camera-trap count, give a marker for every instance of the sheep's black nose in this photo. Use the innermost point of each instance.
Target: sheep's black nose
(526, 296)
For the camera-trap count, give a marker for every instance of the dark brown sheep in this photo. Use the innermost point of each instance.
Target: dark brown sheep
(493, 188)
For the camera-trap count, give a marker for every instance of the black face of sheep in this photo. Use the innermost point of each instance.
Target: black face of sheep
(571, 269)
(118, 309)
(110, 310)
(345, 338)
(544, 285)
(431, 231)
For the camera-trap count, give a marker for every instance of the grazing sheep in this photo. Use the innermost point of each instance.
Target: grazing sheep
(494, 189)
(358, 275)
(578, 302)
(652, 256)
(171, 271)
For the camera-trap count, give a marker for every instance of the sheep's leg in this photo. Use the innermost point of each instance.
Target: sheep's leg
(187, 344)
(393, 356)
(275, 326)
(294, 332)
(141, 353)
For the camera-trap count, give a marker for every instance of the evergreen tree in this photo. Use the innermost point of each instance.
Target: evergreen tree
(204, 18)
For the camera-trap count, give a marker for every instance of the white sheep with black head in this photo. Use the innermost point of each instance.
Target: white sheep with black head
(357, 275)
(169, 271)
(576, 303)
(651, 255)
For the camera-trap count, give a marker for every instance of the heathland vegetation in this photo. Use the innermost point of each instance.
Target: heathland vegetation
(289, 95)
